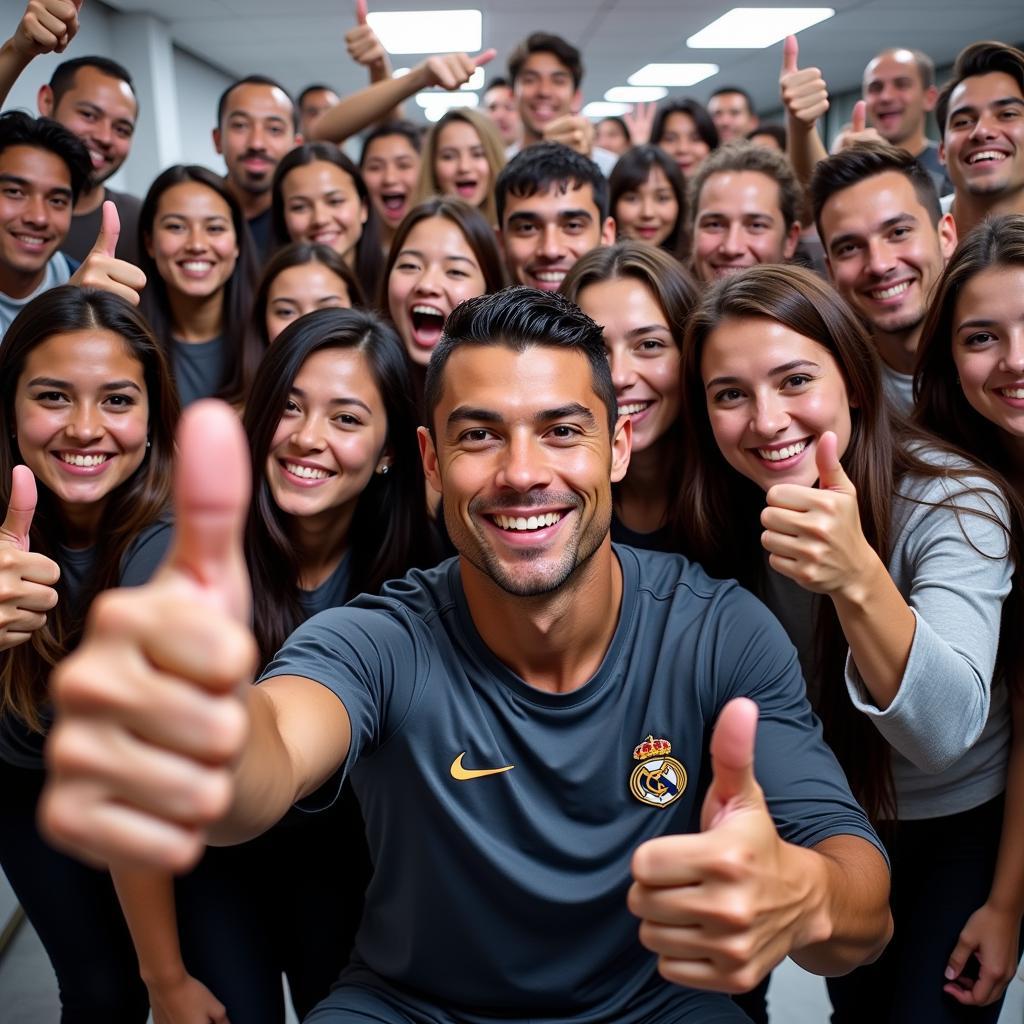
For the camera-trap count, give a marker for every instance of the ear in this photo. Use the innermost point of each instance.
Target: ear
(608, 231)
(931, 97)
(622, 446)
(942, 152)
(44, 101)
(792, 240)
(216, 141)
(947, 236)
(147, 242)
(428, 453)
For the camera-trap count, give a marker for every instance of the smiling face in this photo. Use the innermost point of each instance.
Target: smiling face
(524, 464)
(543, 235)
(771, 393)
(322, 205)
(681, 141)
(314, 103)
(500, 106)
(897, 101)
(732, 116)
(435, 270)
(256, 131)
(883, 251)
(193, 243)
(988, 346)
(390, 167)
(81, 416)
(739, 224)
(544, 92)
(330, 439)
(460, 165)
(983, 144)
(642, 353)
(302, 289)
(649, 212)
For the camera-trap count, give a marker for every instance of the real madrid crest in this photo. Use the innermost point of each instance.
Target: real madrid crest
(658, 779)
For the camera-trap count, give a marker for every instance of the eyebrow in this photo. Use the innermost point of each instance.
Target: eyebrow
(573, 410)
(13, 179)
(337, 401)
(784, 368)
(256, 117)
(527, 215)
(850, 236)
(66, 385)
(1006, 101)
(448, 256)
(649, 329)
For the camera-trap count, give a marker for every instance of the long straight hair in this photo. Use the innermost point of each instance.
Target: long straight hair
(238, 290)
(632, 170)
(720, 510)
(390, 531)
(134, 505)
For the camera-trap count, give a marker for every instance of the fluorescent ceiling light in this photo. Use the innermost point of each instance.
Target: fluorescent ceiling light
(635, 93)
(753, 28)
(672, 74)
(476, 80)
(443, 100)
(599, 109)
(400, 72)
(428, 31)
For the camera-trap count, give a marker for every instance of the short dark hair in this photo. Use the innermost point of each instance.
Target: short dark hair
(520, 318)
(544, 42)
(497, 83)
(20, 129)
(864, 160)
(538, 167)
(745, 156)
(620, 124)
(774, 131)
(982, 58)
(315, 87)
(63, 77)
(694, 111)
(406, 129)
(725, 89)
(256, 80)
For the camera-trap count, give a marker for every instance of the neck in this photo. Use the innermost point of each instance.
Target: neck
(641, 499)
(81, 522)
(530, 136)
(899, 350)
(252, 203)
(196, 318)
(555, 642)
(19, 283)
(320, 541)
(916, 143)
(970, 210)
(89, 200)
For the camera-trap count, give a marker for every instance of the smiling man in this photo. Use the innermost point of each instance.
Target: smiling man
(886, 242)
(526, 726)
(552, 208)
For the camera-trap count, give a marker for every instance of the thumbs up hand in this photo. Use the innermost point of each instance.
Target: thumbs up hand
(47, 26)
(102, 269)
(450, 70)
(804, 92)
(814, 535)
(362, 43)
(150, 710)
(858, 130)
(722, 907)
(27, 579)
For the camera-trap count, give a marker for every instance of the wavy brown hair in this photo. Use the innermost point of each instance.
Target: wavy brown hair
(136, 504)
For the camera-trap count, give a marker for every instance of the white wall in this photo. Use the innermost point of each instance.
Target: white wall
(199, 88)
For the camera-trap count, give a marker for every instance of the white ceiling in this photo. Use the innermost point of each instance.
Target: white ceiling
(300, 41)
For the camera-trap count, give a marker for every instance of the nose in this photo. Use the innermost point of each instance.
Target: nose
(86, 423)
(623, 375)
(101, 132)
(770, 415)
(429, 281)
(320, 213)
(36, 210)
(985, 127)
(1014, 356)
(464, 162)
(732, 242)
(880, 259)
(647, 208)
(195, 241)
(309, 434)
(523, 466)
(550, 245)
(256, 136)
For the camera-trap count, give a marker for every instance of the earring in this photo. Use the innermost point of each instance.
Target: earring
(383, 471)
(148, 443)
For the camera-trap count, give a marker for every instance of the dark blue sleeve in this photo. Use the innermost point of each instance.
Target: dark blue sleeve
(146, 554)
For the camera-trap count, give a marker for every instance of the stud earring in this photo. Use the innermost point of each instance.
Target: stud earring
(383, 471)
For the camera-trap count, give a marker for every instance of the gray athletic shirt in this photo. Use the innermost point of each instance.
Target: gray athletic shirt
(506, 894)
(200, 368)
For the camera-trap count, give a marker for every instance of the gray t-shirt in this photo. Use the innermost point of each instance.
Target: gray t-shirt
(200, 368)
(332, 593)
(57, 272)
(928, 158)
(86, 226)
(898, 388)
(505, 894)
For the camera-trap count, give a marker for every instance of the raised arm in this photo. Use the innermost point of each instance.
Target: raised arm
(804, 94)
(47, 26)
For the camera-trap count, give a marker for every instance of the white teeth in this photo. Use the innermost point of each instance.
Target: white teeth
(306, 472)
(892, 292)
(31, 239)
(986, 154)
(197, 266)
(633, 408)
(82, 460)
(1012, 392)
(550, 276)
(778, 454)
(428, 311)
(524, 523)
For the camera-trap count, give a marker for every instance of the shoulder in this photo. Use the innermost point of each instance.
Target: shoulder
(146, 552)
(956, 482)
(124, 201)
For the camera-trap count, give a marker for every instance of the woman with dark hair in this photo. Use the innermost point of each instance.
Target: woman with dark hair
(970, 391)
(200, 266)
(685, 131)
(642, 299)
(390, 162)
(648, 199)
(612, 133)
(89, 412)
(319, 197)
(889, 562)
(443, 253)
(338, 508)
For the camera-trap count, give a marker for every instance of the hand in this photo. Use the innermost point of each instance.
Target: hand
(721, 908)
(640, 121)
(814, 536)
(857, 132)
(362, 43)
(102, 269)
(574, 131)
(991, 936)
(151, 705)
(47, 26)
(185, 1001)
(804, 93)
(26, 579)
(451, 70)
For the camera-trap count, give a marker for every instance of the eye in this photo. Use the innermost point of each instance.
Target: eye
(651, 346)
(121, 401)
(900, 233)
(727, 395)
(564, 432)
(51, 397)
(475, 437)
(290, 407)
(843, 250)
(979, 338)
(797, 380)
(346, 419)
(1009, 113)
(13, 192)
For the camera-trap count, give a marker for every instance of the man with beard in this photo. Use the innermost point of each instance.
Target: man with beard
(886, 241)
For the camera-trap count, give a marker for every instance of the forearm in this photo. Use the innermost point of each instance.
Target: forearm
(12, 64)
(804, 148)
(363, 108)
(846, 920)
(147, 901)
(1007, 892)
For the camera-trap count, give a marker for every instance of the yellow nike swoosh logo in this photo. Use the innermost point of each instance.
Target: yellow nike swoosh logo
(460, 773)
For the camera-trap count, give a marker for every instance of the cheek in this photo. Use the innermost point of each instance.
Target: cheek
(275, 326)
(398, 292)
(33, 430)
(295, 221)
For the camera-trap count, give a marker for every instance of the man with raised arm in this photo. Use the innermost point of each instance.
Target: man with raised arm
(545, 733)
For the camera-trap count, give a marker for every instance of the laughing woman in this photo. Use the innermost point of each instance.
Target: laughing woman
(89, 412)
(889, 558)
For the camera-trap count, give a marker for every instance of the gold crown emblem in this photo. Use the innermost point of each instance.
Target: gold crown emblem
(651, 748)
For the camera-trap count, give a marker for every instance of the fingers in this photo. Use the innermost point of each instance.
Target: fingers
(110, 231)
(484, 58)
(20, 508)
(859, 117)
(826, 457)
(35, 597)
(732, 750)
(790, 55)
(361, 12)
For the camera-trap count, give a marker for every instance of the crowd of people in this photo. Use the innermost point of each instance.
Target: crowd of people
(624, 523)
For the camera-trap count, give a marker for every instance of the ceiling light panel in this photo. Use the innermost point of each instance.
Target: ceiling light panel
(672, 74)
(753, 28)
(428, 31)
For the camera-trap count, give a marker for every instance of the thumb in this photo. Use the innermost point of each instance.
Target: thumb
(20, 508)
(790, 55)
(859, 117)
(732, 753)
(110, 231)
(361, 12)
(484, 58)
(211, 499)
(958, 958)
(831, 475)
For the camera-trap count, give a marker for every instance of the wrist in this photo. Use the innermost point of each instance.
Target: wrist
(11, 50)
(807, 874)
(796, 125)
(858, 589)
(163, 976)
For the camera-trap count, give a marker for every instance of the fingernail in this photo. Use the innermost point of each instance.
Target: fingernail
(950, 974)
